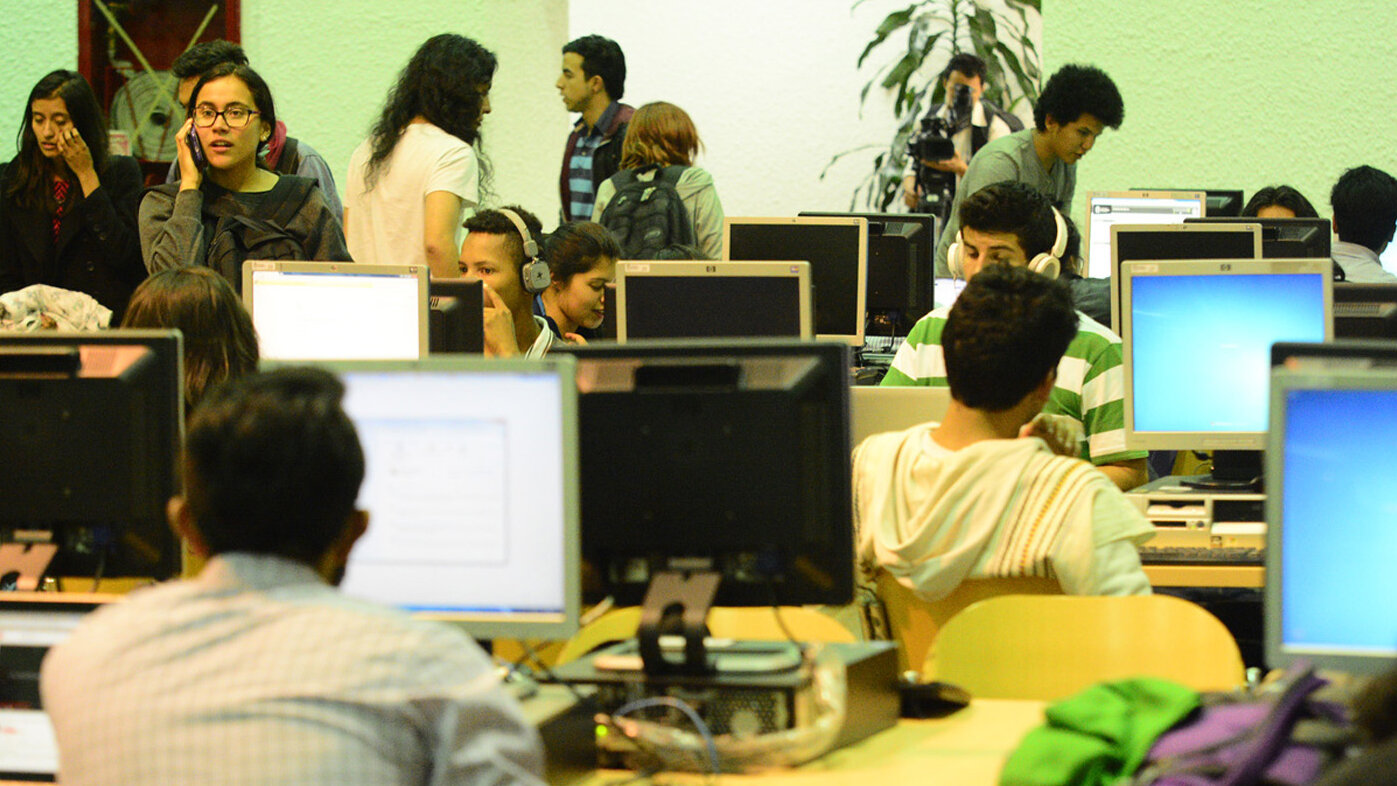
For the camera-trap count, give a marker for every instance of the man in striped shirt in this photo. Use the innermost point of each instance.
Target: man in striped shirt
(1011, 223)
(592, 82)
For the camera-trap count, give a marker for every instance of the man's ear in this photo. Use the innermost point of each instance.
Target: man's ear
(1045, 388)
(597, 84)
(182, 524)
(355, 525)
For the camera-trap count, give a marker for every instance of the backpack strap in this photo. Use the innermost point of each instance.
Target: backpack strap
(290, 160)
(297, 192)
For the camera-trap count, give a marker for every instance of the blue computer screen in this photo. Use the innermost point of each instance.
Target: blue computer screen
(1339, 522)
(1201, 346)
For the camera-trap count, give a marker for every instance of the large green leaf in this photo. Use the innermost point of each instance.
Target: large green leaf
(892, 22)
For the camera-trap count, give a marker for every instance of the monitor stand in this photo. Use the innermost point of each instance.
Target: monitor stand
(676, 607)
(1233, 470)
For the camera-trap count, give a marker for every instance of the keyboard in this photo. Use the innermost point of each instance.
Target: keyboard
(1184, 555)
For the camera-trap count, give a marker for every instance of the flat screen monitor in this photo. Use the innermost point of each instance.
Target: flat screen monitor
(1340, 353)
(712, 300)
(901, 261)
(456, 320)
(1285, 238)
(730, 457)
(1107, 208)
(1218, 201)
(1130, 242)
(1365, 310)
(1197, 346)
(337, 310)
(93, 424)
(471, 490)
(947, 290)
(1388, 258)
(1329, 534)
(836, 249)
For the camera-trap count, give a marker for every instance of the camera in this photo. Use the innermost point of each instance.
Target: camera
(933, 143)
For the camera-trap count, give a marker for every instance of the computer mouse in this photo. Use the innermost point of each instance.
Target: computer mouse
(931, 699)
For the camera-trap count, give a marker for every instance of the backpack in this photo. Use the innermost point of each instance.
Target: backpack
(647, 215)
(236, 237)
(290, 159)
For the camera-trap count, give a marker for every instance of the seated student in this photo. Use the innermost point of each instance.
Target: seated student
(285, 155)
(67, 207)
(232, 114)
(1365, 214)
(1010, 224)
(992, 490)
(1279, 202)
(661, 134)
(581, 257)
(220, 342)
(1091, 296)
(511, 273)
(258, 670)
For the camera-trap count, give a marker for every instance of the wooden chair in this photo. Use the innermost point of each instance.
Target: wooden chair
(914, 623)
(723, 621)
(1041, 647)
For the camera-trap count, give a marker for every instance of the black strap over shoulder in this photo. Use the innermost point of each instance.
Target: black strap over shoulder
(290, 161)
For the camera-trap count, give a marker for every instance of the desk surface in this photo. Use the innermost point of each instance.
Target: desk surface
(968, 748)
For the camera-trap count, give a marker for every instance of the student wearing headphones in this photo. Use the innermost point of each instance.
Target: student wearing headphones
(1012, 223)
(502, 250)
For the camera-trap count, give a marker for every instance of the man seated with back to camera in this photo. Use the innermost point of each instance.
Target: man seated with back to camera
(1365, 214)
(1013, 224)
(494, 251)
(259, 670)
(994, 490)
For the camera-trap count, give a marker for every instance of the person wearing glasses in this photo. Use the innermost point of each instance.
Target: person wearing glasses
(227, 206)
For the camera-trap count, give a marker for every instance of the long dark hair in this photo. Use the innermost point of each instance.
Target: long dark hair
(31, 172)
(441, 83)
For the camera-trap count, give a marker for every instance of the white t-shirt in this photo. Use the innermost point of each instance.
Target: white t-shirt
(386, 223)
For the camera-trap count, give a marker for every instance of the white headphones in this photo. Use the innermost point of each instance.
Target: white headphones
(1046, 264)
(535, 274)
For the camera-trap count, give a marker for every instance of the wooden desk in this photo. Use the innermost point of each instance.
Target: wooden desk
(1253, 576)
(967, 748)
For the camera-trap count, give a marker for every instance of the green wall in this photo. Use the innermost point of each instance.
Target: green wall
(1235, 93)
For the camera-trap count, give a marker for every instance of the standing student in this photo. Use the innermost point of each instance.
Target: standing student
(231, 115)
(1076, 105)
(502, 250)
(67, 208)
(592, 83)
(581, 258)
(412, 179)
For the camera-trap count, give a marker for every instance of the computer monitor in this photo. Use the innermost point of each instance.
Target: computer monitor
(1284, 238)
(1130, 242)
(1329, 533)
(337, 310)
(1197, 349)
(93, 424)
(1365, 310)
(947, 290)
(455, 322)
(726, 457)
(1107, 208)
(1219, 201)
(471, 490)
(712, 300)
(901, 261)
(836, 249)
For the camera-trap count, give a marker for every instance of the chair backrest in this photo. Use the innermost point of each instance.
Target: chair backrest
(914, 622)
(723, 622)
(1044, 647)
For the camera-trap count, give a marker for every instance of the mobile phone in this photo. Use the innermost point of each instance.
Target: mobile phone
(195, 149)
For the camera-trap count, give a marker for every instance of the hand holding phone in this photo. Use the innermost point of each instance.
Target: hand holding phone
(190, 156)
(196, 150)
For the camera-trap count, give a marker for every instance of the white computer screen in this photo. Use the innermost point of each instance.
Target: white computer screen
(471, 511)
(1105, 209)
(338, 315)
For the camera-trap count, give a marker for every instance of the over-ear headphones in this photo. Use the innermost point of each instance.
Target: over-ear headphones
(1047, 264)
(535, 274)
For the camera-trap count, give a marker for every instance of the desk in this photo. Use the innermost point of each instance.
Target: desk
(968, 748)
(1253, 576)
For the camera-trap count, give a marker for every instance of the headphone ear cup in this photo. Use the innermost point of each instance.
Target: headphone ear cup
(953, 259)
(536, 276)
(1046, 265)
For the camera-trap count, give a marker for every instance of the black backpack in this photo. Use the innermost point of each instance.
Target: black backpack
(646, 214)
(237, 237)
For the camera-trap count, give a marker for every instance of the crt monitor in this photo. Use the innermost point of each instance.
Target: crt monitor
(712, 299)
(471, 490)
(93, 423)
(1329, 502)
(1107, 208)
(726, 457)
(1284, 237)
(1365, 310)
(1218, 201)
(456, 317)
(1130, 242)
(1197, 348)
(836, 249)
(337, 310)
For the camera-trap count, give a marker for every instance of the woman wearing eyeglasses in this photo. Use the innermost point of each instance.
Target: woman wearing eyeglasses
(227, 207)
(67, 208)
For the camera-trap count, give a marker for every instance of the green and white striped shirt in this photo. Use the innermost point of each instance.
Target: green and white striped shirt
(1090, 384)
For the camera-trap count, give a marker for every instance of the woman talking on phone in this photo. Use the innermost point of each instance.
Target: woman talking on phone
(226, 207)
(67, 208)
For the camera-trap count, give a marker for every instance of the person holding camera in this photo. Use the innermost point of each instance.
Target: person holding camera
(959, 127)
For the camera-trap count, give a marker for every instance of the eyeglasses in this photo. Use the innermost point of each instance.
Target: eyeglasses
(236, 116)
